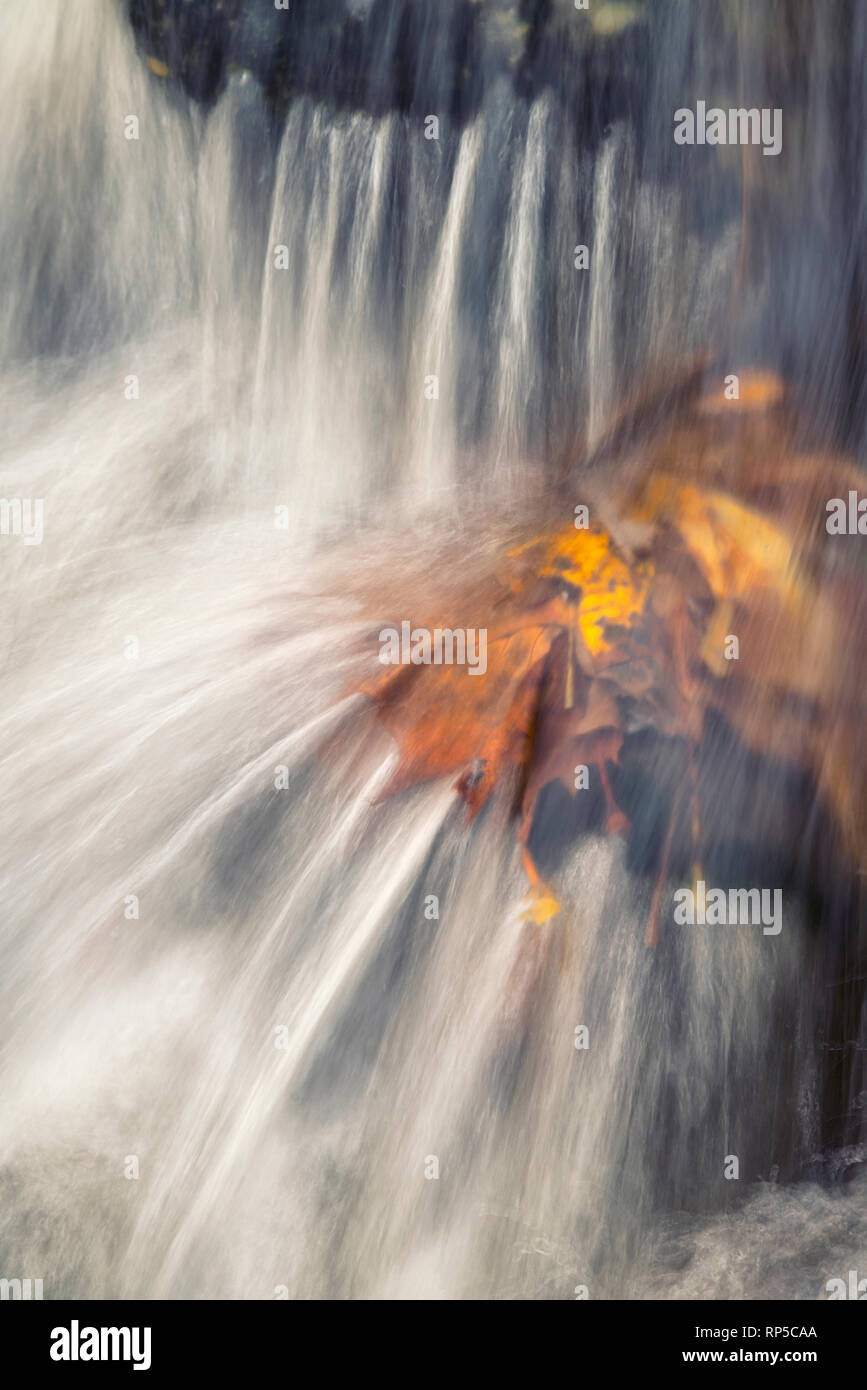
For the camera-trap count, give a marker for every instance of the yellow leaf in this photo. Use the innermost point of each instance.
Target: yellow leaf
(540, 907)
(610, 593)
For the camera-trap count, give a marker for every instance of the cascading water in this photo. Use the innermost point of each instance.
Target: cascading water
(215, 954)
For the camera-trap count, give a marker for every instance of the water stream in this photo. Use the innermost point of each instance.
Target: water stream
(234, 983)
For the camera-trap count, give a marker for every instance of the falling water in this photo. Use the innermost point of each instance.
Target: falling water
(215, 954)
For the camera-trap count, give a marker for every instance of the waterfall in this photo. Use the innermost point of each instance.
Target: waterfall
(215, 965)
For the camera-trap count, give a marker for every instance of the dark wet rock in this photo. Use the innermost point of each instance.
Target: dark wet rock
(404, 55)
(193, 41)
(412, 55)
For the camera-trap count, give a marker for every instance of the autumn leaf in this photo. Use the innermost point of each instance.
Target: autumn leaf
(595, 629)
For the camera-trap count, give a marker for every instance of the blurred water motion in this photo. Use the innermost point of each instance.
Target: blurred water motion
(215, 954)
